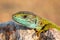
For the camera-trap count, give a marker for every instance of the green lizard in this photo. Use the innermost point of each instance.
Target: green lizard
(30, 20)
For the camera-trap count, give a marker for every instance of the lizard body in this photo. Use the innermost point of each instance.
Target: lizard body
(30, 20)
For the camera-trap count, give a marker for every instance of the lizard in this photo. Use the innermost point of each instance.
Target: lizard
(30, 20)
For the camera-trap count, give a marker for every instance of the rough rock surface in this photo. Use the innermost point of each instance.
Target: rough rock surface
(12, 31)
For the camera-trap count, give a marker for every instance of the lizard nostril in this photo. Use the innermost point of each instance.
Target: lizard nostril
(14, 16)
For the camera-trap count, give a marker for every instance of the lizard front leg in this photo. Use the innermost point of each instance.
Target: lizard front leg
(38, 33)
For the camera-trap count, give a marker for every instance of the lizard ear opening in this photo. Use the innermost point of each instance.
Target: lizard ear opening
(35, 21)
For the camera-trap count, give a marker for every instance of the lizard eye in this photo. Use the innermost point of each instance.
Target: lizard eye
(25, 16)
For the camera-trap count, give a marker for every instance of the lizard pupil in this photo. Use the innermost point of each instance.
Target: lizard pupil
(24, 16)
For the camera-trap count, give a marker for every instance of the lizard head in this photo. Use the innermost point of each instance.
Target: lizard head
(26, 18)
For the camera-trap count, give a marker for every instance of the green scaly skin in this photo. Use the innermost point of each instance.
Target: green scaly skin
(30, 20)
